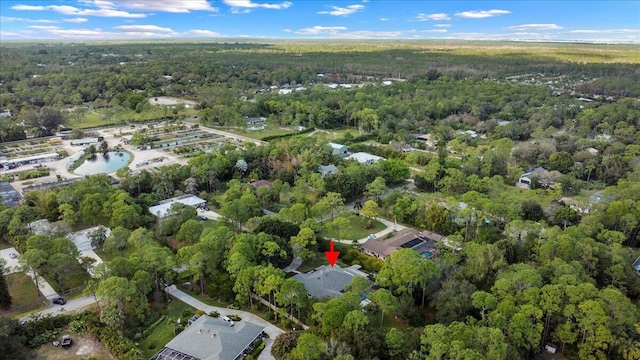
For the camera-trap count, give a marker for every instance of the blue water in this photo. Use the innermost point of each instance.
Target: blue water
(100, 164)
(426, 254)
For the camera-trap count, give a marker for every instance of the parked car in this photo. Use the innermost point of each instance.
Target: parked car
(371, 236)
(202, 217)
(13, 255)
(59, 301)
(228, 320)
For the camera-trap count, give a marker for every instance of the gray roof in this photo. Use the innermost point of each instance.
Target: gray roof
(213, 339)
(328, 281)
(328, 169)
(162, 210)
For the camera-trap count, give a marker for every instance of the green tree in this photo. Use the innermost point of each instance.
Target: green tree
(190, 231)
(355, 320)
(376, 188)
(5, 297)
(309, 347)
(302, 244)
(371, 210)
(117, 241)
(385, 300)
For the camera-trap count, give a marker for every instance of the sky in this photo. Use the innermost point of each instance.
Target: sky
(593, 21)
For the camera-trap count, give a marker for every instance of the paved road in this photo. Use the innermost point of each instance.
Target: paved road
(269, 328)
(70, 306)
(295, 264)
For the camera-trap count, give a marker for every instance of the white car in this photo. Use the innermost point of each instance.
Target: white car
(13, 255)
(371, 236)
(227, 319)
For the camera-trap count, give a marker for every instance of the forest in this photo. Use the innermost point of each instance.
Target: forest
(548, 264)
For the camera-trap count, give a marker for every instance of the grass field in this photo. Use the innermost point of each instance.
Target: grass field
(273, 130)
(356, 230)
(23, 293)
(162, 333)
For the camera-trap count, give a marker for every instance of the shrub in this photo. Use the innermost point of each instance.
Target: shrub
(199, 312)
(234, 317)
(214, 314)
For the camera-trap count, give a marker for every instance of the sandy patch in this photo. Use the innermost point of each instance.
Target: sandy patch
(168, 100)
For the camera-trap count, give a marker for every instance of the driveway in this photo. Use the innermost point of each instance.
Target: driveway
(83, 242)
(70, 306)
(12, 265)
(269, 328)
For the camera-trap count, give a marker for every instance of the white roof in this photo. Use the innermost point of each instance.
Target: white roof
(162, 210)
(364, 158)
(336, 146)
(30, 158)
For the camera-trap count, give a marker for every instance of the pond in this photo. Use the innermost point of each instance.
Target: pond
(101, 164)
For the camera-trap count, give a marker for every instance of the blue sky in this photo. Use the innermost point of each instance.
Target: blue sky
(609, 21)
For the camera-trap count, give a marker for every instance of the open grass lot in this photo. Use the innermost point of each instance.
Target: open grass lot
(589, 53)
(356, 230)
(273, 130)
(24, 294)
(84, 347)
(162, 332)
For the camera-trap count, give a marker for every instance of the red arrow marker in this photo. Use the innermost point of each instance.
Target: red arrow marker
(332, 256)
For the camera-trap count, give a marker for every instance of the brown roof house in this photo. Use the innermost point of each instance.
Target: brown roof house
(259, 183)
(423, 243)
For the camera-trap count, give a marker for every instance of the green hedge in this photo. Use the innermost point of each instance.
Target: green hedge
(33, 174)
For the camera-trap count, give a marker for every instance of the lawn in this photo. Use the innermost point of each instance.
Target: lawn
(258, 134)
(23, 293)
(162, 331)
(356, 230)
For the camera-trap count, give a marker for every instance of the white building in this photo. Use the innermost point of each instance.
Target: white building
(365, 158)
(33, 159)
(163, 209)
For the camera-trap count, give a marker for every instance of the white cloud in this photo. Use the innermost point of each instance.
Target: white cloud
(72, 10)
(343, 11)
(28, 7)
(434, 31)
(251, 5)
(535, 27)
(481, 14)
(365, 34)
(435, 17)
(171, 6)
(604, 31)
(197, 32)
(502, 36)
(384, 19)
(143, 28)
(12, 19)
(442, 25)
(75, 20)
(315, 30)
(64, 33)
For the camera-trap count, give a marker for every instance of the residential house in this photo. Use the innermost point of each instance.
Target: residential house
(327, 281)
(636, 265)
(208, 338)
(260, 183)
(256, 121)
(364, 158)
(327, 170)
(339, 149)
(423, 243)
(163, 209)
(525, 179)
